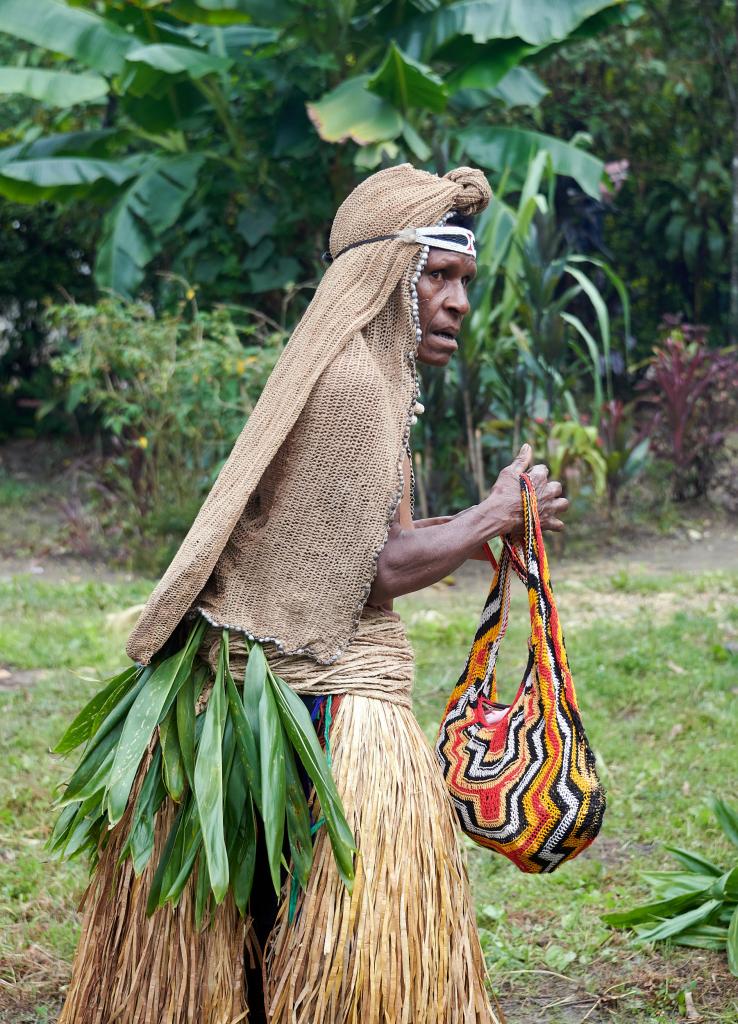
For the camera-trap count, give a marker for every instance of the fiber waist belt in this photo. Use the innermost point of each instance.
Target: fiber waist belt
(378, 662)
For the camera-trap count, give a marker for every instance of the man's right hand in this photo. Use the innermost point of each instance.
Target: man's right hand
(505, 501)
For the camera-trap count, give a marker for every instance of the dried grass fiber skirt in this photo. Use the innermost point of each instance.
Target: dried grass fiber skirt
(402, 948)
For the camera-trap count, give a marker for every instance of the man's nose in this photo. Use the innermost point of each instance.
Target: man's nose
(456, 299)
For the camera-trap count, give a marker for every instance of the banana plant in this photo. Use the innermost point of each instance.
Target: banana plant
(190, 106)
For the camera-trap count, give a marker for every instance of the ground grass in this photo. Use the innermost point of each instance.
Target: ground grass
(657, 685)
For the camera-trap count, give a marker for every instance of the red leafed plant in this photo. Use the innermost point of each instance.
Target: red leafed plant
(691, 393)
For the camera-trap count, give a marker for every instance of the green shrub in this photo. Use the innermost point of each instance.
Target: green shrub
(170, 393)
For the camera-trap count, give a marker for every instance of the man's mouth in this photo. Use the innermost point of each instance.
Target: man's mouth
(447, 337)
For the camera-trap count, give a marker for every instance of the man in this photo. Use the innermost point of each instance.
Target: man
(410, 560)
(300, 546)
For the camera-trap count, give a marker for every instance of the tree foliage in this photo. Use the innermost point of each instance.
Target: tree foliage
(208, 125)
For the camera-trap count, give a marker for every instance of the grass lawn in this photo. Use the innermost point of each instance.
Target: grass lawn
(657, 687)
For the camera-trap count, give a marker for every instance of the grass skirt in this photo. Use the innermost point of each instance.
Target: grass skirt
(403, 947)
(134, 969)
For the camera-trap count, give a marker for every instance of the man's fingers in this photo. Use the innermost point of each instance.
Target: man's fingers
(554, 489)
(522, 459)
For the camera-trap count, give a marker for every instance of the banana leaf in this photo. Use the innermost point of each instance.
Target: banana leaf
(93, 713)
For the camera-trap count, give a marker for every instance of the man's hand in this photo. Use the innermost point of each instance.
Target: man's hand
(505, 494)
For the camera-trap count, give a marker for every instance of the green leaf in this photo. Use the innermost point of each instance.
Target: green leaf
(145, 714)
(298, 820)
(536, 22)
(86, 827)
(89, 718)
(501, 148)
(253, 686)
(520, 87)
(674, 925)
(57, 88)
(273, 782)
(727, 818)
(229, 12)
(654, 911)
(676, 883)
(134, 226)
(245, 739)
(693, 861)
(152, 902)
(416, 144)
(603, 317)
(185, 712)
(406, 83)
(243, 859)
(174, 773)
(726, 887)
(77, 33)
(176, 60)
(62, 177)
(93, 769)
(62, 828)
(94, 143)
(703, 936)
(594, 356)
(140, 842)
(209, 781)
(732, 943)
(202, 892)
(300, 730)
(351, 111)
(185, 851)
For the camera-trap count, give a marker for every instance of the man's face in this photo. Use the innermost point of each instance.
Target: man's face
(442, 303)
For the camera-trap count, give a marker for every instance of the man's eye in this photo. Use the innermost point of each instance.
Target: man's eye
(436, 274)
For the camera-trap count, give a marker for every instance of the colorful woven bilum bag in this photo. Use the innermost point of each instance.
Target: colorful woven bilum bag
(522, 777)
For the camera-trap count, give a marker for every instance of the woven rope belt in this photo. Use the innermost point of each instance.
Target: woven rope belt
(379, 662)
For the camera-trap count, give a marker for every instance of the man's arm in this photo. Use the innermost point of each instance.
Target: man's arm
(419, 524)
(416, 558)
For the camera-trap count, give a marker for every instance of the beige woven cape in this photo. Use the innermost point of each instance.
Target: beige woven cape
(285, 545)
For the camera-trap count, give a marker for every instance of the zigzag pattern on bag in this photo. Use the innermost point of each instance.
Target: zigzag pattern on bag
(525, 785)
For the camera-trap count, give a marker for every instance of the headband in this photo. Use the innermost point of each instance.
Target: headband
(454, 239)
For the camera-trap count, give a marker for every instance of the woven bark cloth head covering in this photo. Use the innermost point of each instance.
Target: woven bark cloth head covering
(285, 545)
